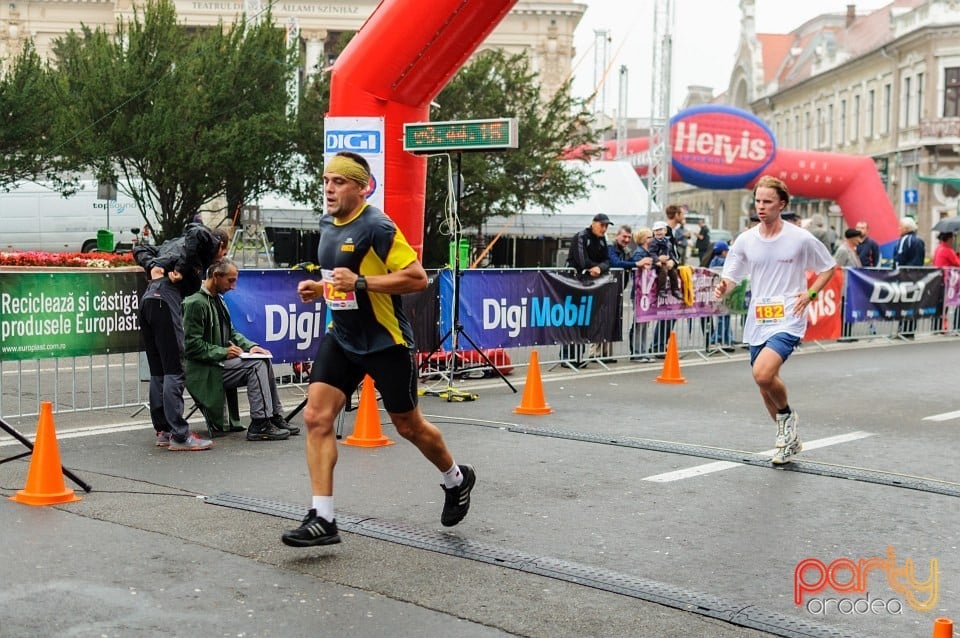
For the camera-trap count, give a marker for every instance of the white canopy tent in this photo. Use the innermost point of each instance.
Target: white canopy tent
(617, 191)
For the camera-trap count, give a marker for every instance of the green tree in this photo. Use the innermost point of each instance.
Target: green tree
(493, 85)
(314, 104)
(182, 117)
(27, 90)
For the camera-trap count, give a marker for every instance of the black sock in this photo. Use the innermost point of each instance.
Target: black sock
(785, 409)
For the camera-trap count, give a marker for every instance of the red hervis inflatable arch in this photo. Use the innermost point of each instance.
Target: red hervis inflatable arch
(722, 148)
(401, 58)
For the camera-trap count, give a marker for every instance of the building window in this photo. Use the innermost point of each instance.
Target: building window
(920, 109)
(808, 131)
(829, 124)
(855, 120)
(821, 134)
(843, 123)
(871, 112)
(796, 131)
(887, 112)
(951, 92)
(905, 119)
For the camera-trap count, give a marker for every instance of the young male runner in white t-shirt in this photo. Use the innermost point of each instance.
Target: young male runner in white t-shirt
(774, 256)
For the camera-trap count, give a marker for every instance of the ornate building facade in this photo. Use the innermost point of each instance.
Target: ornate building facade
(884, 84)
(543, 28)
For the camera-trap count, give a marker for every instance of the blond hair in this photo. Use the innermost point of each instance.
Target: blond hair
(640, 235)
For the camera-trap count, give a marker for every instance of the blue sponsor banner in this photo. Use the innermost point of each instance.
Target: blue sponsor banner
(874, 293)
(513, 308)
(266, 309)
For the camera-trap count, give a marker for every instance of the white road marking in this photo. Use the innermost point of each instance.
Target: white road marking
(699, 470)
(946, 416)
(75, 433)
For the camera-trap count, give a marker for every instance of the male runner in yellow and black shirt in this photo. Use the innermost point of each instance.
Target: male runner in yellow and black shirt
(366, 264)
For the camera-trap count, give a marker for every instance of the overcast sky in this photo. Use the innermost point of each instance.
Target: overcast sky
(705, 36)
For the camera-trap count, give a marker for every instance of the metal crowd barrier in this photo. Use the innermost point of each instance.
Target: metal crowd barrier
(90, 383)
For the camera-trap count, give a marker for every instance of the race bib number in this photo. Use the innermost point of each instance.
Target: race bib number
(335, 299)
(770, 310)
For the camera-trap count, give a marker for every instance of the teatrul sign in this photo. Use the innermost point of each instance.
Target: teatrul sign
(719, 147)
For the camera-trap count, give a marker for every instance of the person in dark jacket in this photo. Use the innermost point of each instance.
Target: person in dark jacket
(589, 255)
(869, 250)
(911, 250)
(161, 329)
(171, 279)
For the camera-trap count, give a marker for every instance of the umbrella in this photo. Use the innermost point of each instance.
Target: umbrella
(948, 225)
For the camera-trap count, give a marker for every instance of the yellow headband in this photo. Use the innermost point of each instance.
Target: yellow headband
(349, 168)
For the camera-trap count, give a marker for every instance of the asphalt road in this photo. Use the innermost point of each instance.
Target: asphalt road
(635, 508)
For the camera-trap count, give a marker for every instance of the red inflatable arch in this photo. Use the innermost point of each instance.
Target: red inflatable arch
(401, 58)
(719, 147)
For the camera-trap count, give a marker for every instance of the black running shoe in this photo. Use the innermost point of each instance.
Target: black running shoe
(264, 430)
(313, 531)
(457, 501)
(281, 423)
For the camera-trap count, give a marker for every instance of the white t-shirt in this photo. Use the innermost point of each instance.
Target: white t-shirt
(776, 268)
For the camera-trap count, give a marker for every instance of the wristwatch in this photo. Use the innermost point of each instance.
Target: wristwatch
(361, 283)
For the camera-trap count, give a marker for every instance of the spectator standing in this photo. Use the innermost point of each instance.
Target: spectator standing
(868, 250)
(620, 256)
(588, 254)
(818, 228)
(846, 257)
(790, 216)
(775, 256)
(720, 335)
(172, 274)
(644, 259)
(677, 232)
(704, 245)
(910, 252)
(846, 253)
(217, 358)
(590, 258)
(910, 248)
(944, 256)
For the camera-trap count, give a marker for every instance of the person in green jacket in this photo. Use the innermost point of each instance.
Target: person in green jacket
(218, 357)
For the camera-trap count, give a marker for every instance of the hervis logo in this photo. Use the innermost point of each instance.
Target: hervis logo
(719, 147)
(363, 141)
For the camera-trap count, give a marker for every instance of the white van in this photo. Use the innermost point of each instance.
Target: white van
(33, 216)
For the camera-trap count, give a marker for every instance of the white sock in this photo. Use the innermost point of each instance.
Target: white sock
(452, 477)
(324, 507)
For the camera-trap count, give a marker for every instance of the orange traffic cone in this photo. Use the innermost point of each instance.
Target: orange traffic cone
(942, 628)
(366, 427)
(45, 484)
(671, 364)
(533, 401)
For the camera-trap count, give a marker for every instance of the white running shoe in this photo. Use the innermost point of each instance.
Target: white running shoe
(784, 454)
(786, 429)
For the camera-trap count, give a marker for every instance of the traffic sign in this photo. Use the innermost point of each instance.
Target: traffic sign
(910, 196)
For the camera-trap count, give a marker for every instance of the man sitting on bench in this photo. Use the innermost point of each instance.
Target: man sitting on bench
(219, 358)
